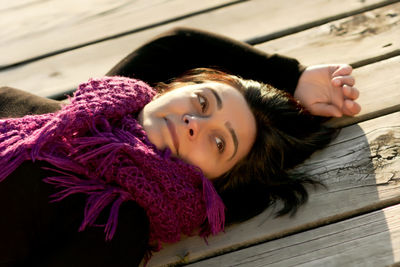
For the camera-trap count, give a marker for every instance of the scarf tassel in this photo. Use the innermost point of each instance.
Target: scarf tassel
(11, 155)
(215, 209)
(99, 197)
(9, 164)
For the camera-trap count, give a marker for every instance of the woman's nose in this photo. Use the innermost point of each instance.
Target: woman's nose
(192, 125)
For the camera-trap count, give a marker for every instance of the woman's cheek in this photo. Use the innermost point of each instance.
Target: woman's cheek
(199, 156)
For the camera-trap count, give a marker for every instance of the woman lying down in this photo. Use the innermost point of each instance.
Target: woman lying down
(188, 133)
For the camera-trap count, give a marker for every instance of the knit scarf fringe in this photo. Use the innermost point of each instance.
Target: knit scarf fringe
(98, 148)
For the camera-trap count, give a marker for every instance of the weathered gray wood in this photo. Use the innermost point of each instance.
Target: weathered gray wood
(368, 240)
(369, 35)
(63, 72)
(362, 171)
(39, 27)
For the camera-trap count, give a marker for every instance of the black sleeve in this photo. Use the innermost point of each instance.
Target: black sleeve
(15, 103)
(37, 232)
(89, 248)
(176, 51)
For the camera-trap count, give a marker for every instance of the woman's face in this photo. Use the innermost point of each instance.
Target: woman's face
(208, 125)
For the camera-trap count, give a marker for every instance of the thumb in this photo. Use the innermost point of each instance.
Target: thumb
(326, 110)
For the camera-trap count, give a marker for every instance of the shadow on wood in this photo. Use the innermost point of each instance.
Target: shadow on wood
(360, 163)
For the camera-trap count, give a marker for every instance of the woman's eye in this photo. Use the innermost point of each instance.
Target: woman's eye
(203, 102)
(220, 144)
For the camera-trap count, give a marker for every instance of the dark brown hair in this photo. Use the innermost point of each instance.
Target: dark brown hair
(286, 135)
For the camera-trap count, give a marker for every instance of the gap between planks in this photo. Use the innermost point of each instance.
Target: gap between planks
(241, 21)
(59, 74)
(360, 40)
(372, 239)
(302, 27)
(118, 35)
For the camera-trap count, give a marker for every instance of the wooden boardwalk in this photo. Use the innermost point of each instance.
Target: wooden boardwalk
(48, 47)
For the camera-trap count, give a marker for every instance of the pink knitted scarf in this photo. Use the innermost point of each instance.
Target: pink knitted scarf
(98, 147)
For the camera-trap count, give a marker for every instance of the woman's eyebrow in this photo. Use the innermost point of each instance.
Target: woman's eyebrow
(234, 137)
(227, 124)
(217, 97)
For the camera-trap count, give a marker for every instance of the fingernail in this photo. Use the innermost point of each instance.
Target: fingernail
(336, 82)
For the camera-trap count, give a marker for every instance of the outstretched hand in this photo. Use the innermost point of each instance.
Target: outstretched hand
(328, 90)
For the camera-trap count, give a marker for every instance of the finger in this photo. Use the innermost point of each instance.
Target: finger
(342, 70)
(336, 98)
(351, 108)
(350, 92)
(326, 110)
(341, 80)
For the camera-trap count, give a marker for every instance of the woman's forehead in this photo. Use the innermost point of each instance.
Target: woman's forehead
(219, 86)
(221, 90)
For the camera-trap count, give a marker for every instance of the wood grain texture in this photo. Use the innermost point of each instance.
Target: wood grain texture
(365, 36)
(60, 73)
(372, 239)
(40, 27)
(361, 169)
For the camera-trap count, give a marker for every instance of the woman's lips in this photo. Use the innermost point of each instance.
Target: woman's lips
(174, 136)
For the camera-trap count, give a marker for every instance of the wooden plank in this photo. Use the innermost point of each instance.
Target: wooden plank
(40, 27)
(372, 239)
(63, 72)
(362, 171)
(369, 35)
